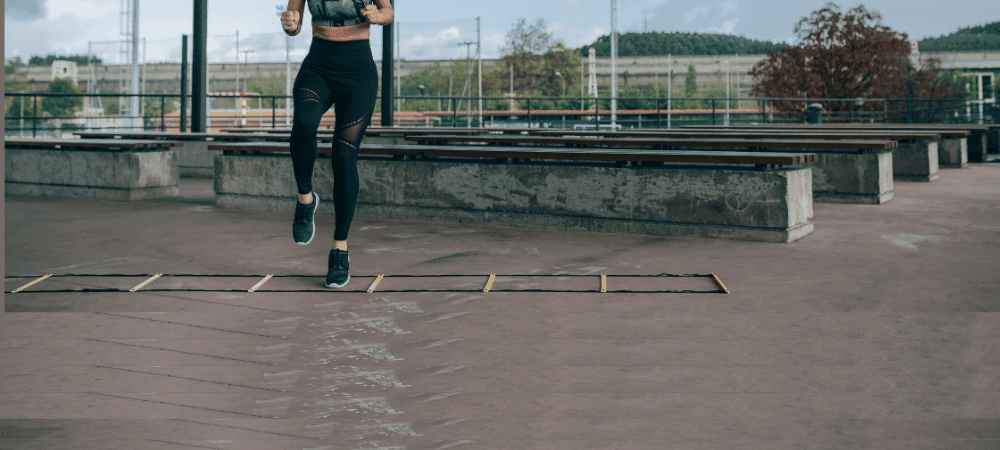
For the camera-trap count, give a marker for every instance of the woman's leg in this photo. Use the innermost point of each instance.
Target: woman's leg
(312, 99)
(353, 116)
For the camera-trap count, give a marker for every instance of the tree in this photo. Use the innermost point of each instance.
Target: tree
(272, 85)
(62, 106)
(841, 55)
(48, 59)
(691, 82)
(535, 59)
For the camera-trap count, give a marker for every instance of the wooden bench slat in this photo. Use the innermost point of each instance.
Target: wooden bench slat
(89, 143)
(606, 155)
(749, 134)
(859, 145)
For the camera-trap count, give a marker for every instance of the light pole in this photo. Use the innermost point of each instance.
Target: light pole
(727, 93)
(246, 55)
(614, 55)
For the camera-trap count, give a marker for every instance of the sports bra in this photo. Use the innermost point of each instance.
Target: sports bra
(337, 13)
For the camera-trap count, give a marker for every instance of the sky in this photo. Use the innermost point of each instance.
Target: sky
(434, 29)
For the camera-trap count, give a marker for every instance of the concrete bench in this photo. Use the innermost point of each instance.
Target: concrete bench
(914, 159)
(953, 148)
(194, 159)
(736, 195)
(846, 171)
(114, 169)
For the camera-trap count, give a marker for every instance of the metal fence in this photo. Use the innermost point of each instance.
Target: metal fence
(160, 112)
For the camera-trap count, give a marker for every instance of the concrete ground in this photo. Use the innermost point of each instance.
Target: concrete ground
(879, 330)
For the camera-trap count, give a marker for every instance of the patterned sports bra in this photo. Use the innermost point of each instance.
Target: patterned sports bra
(337, 13)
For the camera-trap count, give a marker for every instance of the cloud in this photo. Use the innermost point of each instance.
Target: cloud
(728, 27)
(23, 10)
(80, 9)
(727, 6)
(694, 13)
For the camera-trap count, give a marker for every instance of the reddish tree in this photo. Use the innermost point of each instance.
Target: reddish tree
(844, 55)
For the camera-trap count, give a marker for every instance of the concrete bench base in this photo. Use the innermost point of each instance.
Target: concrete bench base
(194, 160)
(853, 178)
(111, 175)
(771, 206)
(953, 153)
(125, 195)
(915, 161)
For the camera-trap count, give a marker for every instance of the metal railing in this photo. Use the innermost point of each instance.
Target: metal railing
(542, 112)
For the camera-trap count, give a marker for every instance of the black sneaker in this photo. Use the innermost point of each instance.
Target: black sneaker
(338, 271)
(304, 228)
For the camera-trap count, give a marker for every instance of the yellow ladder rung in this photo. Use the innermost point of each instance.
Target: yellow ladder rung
(604, 283)
(489, 283)
(261, 283)
(375, 283)
(144, 283)
(717, 280)
(38, 280)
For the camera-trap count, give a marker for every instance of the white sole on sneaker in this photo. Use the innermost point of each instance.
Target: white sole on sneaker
(340, 285)
(348, 277)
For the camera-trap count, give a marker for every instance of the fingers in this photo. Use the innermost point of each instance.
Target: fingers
(290, 20)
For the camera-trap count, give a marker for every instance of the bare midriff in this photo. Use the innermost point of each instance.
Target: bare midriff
(354, 32)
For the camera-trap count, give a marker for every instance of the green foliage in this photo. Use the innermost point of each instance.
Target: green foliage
(660, 43)
(111, 107)
(48, 59)
(62, 106)
(152, 105)
(14, 81)
(978, 38)
(273, 85)
(691, 82)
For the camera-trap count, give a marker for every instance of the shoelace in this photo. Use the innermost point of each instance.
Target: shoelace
(302, 212)
(339, 258)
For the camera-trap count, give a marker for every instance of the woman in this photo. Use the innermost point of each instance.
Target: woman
(339, 70)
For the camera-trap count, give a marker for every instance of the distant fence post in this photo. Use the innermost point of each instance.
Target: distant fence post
(713, 112)
(529, 112)
(34, 116)
(163, 114)
(657, 112)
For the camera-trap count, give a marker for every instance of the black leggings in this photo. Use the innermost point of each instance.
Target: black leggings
(341, 74)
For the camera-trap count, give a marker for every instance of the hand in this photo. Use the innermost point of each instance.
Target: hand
(290, 21)
(373, 15)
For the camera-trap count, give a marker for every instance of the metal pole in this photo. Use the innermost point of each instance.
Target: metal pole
(237, 61)
(288, 81)
(614, 71)
(184, 81)
(387, 32)
(142, 108)
(670, 84)
(135, 64)
(479, 53)
(399, 81)
(726, 121)
(199, 75)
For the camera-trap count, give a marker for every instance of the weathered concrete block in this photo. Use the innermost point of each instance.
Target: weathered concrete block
(113, 175)
(915, 161)
(194, 159)
(770, 206)
(953, 152)
(853, 177)
(977, 143)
